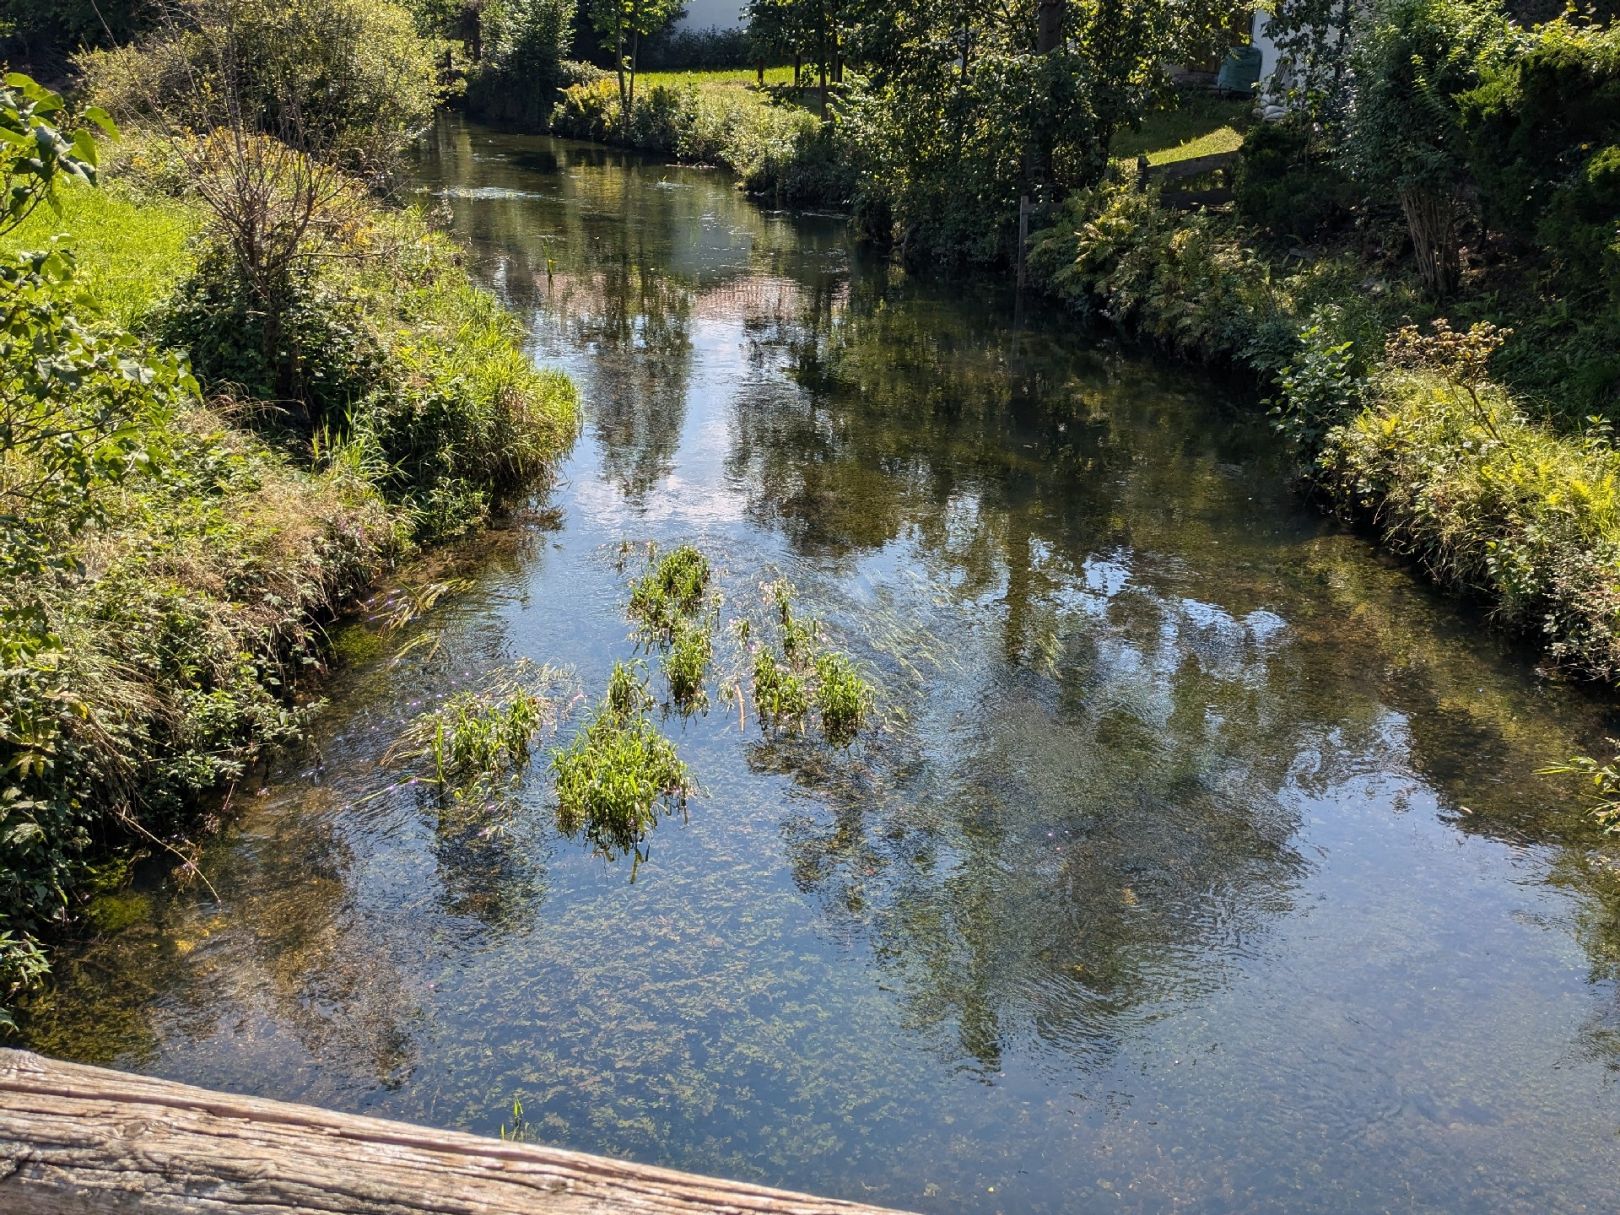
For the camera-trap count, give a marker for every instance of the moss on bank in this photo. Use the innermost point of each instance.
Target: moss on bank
(165, 639)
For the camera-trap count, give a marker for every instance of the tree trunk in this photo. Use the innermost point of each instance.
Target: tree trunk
(1049, 15)
(618, 62)
(635, 53)
(798, 70)
(823, 78)
(1431, 218)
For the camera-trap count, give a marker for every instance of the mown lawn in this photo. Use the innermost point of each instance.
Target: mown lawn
(130, 253)
(1198, 126)
(719, 78)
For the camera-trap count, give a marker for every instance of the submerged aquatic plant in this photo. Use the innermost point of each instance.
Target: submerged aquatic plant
(1603, 786)
(671, 590)
(843, 698)
(619, 773)
(518, 1130)
(686, 666)
(483, 734)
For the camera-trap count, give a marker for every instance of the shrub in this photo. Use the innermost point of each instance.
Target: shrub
(1412, 60)
(1323, 387)
(1491, 504)
(1536, 126)
(522, 70)
(347, 81)
(390, 345)
(777, 150)
(674, 49)
(1286, 186)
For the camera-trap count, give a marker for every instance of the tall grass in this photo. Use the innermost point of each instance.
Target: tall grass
(180, 619)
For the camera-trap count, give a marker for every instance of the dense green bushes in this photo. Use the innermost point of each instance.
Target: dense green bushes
(395, 353)
(1491, 504)
(158, 602)
(347, 81)
(1407, 432)
(1288, 185)
(521, 68)
(777, 150)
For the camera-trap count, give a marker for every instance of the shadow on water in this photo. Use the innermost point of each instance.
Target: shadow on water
(1198, 860)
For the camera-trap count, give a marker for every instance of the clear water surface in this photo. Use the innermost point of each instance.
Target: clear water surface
(1199, 863)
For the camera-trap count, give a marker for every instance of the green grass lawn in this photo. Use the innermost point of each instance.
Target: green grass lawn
(1198, 126)
(130, 254)
(720, 78)
(738, 85)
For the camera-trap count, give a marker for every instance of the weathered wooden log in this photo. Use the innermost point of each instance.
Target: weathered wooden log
(77, 1140)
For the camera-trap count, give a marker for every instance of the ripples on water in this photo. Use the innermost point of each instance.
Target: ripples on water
(1198, 863)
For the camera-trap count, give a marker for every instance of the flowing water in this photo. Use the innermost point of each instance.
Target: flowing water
(1198, 861)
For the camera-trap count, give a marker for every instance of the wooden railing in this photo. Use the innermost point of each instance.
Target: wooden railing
(77, 1140)
(1174, 174)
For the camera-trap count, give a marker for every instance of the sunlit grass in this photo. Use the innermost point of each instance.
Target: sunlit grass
(718, 78)
(130, 254)
(1197, 126)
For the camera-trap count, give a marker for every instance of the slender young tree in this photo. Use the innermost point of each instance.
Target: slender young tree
(622, 24)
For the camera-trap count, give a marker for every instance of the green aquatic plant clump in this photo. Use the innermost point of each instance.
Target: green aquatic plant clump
(672, 590)
(627, 693)
(798, 636)
(686, 665)
(807, 675)
(1602, 782)
(843, 698)
(780, 694)
(616, 777)
(481, 734)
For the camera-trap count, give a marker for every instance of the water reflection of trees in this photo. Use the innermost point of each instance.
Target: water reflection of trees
(1106, 822)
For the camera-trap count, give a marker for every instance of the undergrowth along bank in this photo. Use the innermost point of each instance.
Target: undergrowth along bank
(1395, 414)
(153, 652)
(773, 145)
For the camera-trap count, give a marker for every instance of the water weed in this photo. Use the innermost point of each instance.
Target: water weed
(686, 665)
(843, 698)
(780, 695)
(672, 589)
(479, 735)
(615, 780)
(1602, 787)
(627, 694)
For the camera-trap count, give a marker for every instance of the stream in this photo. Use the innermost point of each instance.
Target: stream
(1197, 859)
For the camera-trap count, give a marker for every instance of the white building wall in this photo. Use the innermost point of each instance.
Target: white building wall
(712, 14)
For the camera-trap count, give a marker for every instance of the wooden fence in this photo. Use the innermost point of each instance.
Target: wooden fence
(1176, 175)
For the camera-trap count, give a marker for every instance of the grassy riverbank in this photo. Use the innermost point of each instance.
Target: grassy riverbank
(1396, 415)
(771, 138)
(164, 639)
